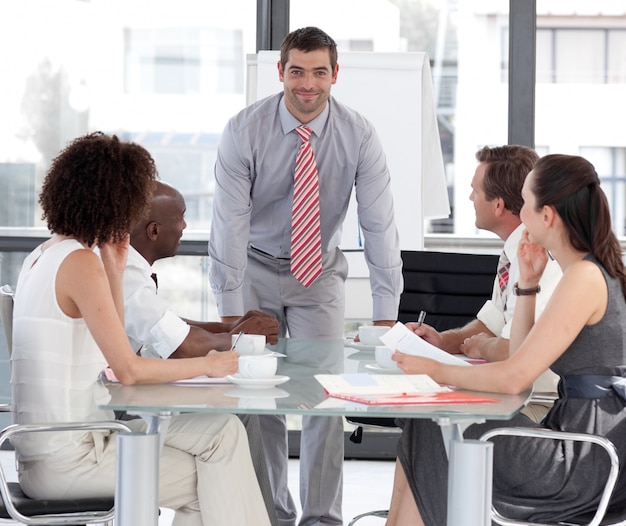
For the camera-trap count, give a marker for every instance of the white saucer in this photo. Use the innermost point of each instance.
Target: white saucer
(264, 352)
(379, 369)
(361, 346)
(256, 382)
(269, 352)
(255, 392)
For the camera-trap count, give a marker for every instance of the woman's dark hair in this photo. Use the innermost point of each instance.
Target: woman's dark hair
(308, 39)
(507, 168)
(97, 187)
(571, 185)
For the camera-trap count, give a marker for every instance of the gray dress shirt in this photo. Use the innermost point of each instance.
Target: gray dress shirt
(254, 193)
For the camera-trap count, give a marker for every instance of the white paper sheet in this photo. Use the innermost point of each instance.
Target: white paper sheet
(401, 338)
(392, 384)
(196, 380)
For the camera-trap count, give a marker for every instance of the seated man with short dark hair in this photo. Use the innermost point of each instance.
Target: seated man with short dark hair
(151, 324)
(154, 329)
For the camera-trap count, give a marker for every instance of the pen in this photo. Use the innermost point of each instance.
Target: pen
(421, 318)
(236, 340)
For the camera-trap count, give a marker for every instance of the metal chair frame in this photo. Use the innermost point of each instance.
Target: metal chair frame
(39, 510)
(603, 442)
(70, 516)
(6, 313)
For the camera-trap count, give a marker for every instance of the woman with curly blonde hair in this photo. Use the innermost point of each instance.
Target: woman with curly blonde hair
(68, 326)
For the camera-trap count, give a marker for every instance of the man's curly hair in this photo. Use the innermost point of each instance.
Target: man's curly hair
(97, 187)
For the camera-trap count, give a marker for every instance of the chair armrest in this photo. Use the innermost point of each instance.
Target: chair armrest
(603, 442)
(20, 429)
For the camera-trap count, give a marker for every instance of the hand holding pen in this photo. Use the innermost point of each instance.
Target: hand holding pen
(426, 332)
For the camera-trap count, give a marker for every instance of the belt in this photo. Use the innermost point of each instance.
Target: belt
(592, 386)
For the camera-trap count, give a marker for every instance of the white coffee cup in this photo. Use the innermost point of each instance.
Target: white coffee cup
(383, 355)
(257, 367)
(370, 334)
(249, 343)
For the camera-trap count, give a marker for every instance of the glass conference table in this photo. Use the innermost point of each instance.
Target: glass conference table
(137, 460)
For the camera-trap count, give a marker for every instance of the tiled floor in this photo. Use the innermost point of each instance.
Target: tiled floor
(367, 486)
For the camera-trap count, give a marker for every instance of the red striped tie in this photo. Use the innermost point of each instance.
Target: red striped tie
(503, 277)
(306, 238)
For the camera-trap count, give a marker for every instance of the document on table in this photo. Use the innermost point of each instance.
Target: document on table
(401, 338)
(196, 380)
(394, 389)
(375, 384)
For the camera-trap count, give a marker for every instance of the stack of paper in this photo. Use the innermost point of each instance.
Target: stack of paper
(393, 389)
(364, 383)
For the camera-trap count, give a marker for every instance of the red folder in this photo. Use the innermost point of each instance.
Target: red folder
(453, 397)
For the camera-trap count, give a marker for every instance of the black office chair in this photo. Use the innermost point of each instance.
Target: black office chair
(15, 505)
(451, 288)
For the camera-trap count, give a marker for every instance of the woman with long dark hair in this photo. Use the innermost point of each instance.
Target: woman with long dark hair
(581, 336)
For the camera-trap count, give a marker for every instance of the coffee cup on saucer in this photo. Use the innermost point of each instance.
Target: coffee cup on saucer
(370, 334)
(249, 343)
(383, 355)
(257, 367)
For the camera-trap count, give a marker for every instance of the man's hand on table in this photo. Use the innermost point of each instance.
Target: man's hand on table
(257, 322)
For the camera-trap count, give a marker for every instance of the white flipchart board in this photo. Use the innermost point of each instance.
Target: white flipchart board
(394, 92)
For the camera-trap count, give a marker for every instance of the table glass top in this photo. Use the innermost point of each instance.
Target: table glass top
(301, 393)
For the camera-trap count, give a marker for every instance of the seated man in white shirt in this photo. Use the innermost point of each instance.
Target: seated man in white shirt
(152, 326)
(154, 329)
(497, 197)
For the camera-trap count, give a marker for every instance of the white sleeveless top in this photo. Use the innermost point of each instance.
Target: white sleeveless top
(55, 361)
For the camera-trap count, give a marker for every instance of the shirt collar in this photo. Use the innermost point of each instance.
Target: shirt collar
(510, 245)
(135, 258)
(290, 123)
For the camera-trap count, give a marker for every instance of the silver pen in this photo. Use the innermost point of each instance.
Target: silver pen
(232, 348)
(421, 318)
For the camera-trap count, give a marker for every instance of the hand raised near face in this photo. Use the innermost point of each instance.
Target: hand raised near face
(532, 258)
(114, 254)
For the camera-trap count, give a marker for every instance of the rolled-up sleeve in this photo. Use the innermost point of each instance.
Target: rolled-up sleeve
(150, 323)
(492, 318)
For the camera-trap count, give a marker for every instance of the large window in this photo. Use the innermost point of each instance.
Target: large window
(170, 76)
(600, 55)
(183, 60)
(610, 164)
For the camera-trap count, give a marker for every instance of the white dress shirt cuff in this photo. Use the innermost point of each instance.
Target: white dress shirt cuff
(168, 334)
(229, 304)
(491, 317)
(385, 308)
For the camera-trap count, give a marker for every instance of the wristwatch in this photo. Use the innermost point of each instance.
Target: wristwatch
(526, 292)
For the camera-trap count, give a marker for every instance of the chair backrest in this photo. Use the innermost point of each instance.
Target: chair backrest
(6, 313)
(450, 287)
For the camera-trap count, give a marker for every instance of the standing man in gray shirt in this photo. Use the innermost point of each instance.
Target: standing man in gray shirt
(252, 259)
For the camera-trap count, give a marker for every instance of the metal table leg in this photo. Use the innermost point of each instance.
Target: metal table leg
(137, 473)
(470, 476)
